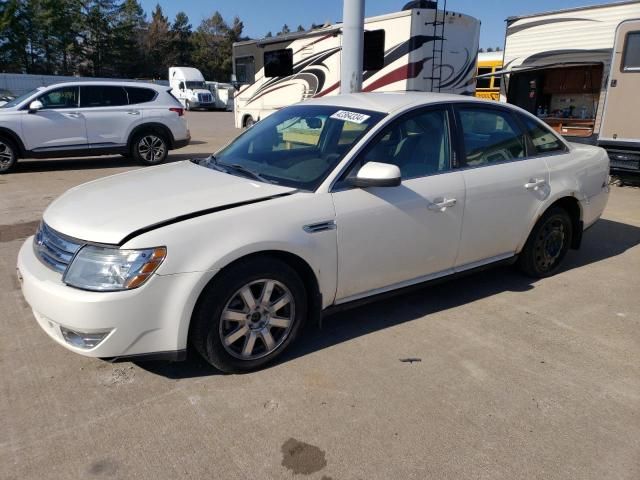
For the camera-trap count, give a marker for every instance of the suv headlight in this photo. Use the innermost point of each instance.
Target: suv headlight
(112, 269)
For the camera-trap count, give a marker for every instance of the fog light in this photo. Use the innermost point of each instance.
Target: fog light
(83, 340)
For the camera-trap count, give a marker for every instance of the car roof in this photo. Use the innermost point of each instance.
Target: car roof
(117, 83)
(388, 102)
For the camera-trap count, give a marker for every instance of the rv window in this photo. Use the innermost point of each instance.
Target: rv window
(278, 63)
(245, 70)
(631, 55)
(484, 82)
(373, 56)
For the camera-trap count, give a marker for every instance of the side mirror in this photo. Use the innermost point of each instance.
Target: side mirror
(35, 106)
(376, 174)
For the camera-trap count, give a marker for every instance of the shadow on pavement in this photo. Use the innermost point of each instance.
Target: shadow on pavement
(62, 164)
(604, 240)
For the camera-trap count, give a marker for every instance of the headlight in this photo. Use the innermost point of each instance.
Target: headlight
(111, 269)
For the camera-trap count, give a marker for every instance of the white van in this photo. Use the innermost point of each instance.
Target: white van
(189, 87)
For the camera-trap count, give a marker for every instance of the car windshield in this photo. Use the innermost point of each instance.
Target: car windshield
(20, 99)
(193, 85)
(297, 146)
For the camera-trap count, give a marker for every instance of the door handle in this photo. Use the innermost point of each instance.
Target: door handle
(441, 204)
(535, 183)
(133, 112)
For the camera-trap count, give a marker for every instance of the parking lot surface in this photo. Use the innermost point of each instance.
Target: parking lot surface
(490, 376)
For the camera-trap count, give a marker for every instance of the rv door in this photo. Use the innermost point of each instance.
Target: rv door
(621, 120)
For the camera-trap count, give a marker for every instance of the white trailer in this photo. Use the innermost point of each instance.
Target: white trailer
(419, 48)
(189, 87)
(558, 65)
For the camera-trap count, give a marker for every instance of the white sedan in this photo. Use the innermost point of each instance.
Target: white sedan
(322, 203)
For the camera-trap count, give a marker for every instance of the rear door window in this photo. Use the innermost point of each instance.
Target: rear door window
(490, 136)
(102, 96)
(543, 140)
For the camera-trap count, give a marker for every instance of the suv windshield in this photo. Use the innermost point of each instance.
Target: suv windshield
(192, 85)
(297, 146)
(21, 98)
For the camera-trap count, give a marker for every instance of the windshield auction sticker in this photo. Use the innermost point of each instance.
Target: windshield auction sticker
(353, 117)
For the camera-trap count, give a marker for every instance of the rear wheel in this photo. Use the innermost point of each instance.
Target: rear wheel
(187, 105)
(249, 315)
(249, 122)
(547, 244)
(8, 155)
(149, 148)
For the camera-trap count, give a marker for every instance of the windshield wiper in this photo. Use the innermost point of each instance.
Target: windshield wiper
(245, 170)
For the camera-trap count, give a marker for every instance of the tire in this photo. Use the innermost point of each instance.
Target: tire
(547, 244)
(249, 122)
(8, 155)
(254, 336)
(149, 148)
(187, 105)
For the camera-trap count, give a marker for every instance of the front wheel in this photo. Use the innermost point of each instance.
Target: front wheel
(8, 155)
(249, 315)
(149, 148)
(547, 244)
(187, 105)
(249, 122)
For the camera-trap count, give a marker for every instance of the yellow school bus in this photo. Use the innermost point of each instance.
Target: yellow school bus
(489, 87)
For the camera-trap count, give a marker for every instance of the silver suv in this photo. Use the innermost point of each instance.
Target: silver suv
(75, 119)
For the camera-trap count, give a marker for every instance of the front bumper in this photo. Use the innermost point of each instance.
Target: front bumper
(150, 319)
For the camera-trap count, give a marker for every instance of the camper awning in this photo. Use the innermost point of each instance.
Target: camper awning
(509, 71)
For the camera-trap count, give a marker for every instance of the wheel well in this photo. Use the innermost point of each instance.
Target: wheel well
(157, 128)
(245, 118)
(302, 268)
(572, 207)
(11, 136)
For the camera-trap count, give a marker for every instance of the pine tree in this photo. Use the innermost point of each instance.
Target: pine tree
(212, 48)
(300, 28)
(181, 44)
(98, 37)
(157, 43)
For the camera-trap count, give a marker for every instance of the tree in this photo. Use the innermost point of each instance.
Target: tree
(268, 35)
(97, 37)
(181, 44)
(129, 30)
(285, 30)
(300, 28)
(13, 37)
(212, 48)
(157, 42)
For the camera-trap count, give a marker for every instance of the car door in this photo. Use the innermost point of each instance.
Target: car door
(505, 186)
(58, 125)
(108, 115)
(394, 236)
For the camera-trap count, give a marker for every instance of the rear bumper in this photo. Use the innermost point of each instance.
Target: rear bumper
(181, 143)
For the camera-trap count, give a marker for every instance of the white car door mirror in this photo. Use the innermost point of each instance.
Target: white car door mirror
(376, 174)
(35, 106)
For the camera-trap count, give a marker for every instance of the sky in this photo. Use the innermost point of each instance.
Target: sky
(262, 16)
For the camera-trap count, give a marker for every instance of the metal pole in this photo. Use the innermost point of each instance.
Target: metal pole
(352, 46)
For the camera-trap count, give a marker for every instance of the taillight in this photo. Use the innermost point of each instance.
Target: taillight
(178, 110)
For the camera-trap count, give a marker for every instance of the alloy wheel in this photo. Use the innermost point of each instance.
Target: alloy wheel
(257, 319)
(6, 155)
(151, 148)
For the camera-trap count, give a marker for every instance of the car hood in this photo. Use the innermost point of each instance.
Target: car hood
(110, 209)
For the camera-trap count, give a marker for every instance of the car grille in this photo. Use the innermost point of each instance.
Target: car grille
(205, 98)
(54, 249)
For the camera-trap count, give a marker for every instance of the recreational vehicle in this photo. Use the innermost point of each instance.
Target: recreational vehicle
(488, 86)
(419, 48)
(579, 71)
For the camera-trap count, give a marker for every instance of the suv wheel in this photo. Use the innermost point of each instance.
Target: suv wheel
(8, 155)
(249, 315)
(149, 148)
